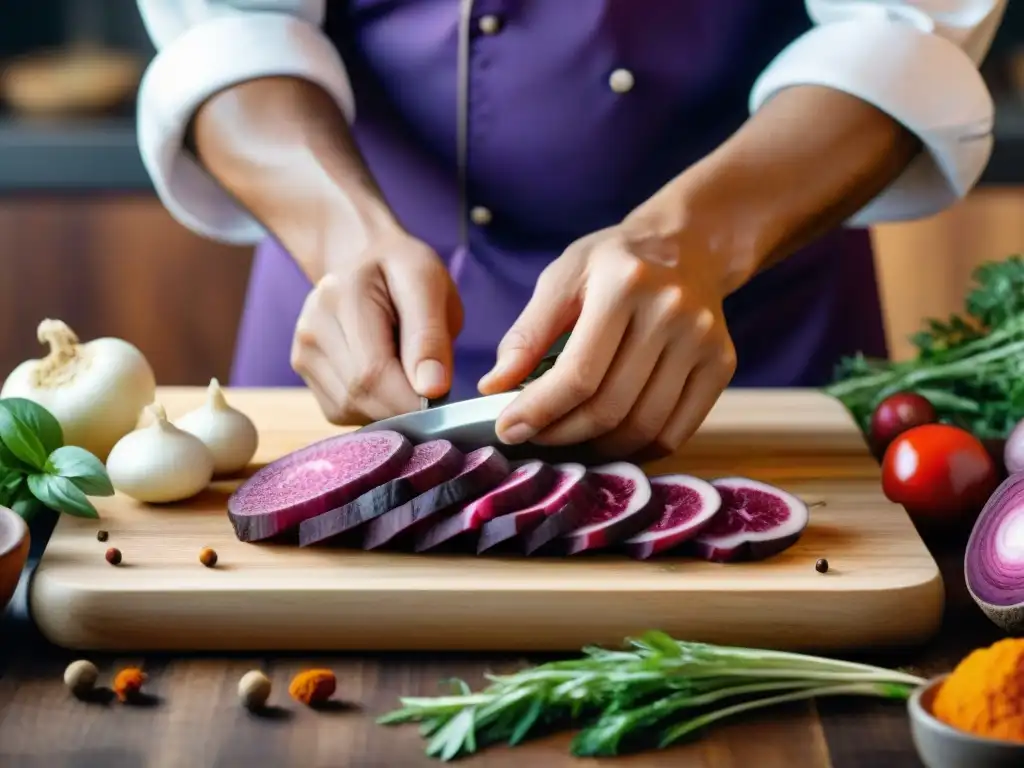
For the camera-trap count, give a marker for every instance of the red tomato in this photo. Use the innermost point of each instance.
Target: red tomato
(937, 471)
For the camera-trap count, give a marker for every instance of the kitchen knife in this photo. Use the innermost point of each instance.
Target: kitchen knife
(468, 424)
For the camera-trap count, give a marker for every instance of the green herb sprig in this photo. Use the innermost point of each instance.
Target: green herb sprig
(37, 470)
(660, 690)
(971, 366)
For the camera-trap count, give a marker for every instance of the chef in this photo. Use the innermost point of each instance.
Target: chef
(439, 189)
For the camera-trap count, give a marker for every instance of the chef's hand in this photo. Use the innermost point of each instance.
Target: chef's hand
(649, 353)
(345, 340)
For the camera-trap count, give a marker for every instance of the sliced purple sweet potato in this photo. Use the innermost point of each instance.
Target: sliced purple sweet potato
(311, 480)
(685, 504)
(622, 507)
(567, 491)
(525, 485)
(482, 470)
(430, 464)
(755, 521)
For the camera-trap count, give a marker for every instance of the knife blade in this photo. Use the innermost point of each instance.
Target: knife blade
(468, 424)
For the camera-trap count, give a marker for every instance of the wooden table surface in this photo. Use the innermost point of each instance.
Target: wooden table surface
(194, 718)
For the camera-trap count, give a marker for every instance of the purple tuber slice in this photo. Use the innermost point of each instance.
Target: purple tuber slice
(311, 480)
(482, 470)
(994, 562)
(686, 505)
(621, 508)
(565, 496)
(527, 483)
(755, 521)
(430, 464)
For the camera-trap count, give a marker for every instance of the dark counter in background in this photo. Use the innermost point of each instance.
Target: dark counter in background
(95, 155)
(101, 155)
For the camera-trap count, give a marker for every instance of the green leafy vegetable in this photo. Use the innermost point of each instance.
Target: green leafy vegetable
(20, 438)
(42, 423)
(660, 690)
(81, 468)
(971, 366)
(61, 494)
(24, 503)
(37, 470)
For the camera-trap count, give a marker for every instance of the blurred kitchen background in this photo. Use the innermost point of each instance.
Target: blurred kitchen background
(83, 238)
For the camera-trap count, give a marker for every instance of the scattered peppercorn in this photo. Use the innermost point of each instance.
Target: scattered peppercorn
(254, 689)
(81, 676)
(114, 556)
(312, 687)
(102, 535)
(821, 566)
(208, 557)
(128, 682)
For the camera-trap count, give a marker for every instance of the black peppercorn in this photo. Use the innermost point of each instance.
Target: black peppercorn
(821, 566)
(102, 535)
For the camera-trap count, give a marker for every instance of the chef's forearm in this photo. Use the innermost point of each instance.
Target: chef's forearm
(282, 148)
(802, 165)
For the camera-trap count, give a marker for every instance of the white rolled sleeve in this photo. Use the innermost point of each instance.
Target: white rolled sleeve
(204, 47)
(917, 61)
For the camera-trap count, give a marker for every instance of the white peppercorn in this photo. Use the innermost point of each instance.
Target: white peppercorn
(254, 689)
(80, 677)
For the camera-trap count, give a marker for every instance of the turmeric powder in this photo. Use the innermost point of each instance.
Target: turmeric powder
(128, 682)
(314, 686)
(984, 695)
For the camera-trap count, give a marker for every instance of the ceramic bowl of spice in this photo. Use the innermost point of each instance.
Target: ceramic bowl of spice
(974, 716)
(14, 540)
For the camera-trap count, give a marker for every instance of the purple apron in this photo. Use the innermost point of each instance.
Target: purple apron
(549, 151)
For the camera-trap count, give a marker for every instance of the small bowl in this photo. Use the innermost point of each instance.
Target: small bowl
(14, 542)
(942, 746)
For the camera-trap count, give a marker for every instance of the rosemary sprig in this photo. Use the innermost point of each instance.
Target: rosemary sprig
(658, 688)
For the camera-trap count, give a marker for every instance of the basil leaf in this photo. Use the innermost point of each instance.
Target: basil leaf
(9, 461)
(43, 423)
(62, 495)
(10, 481)
(25, 505)
(81, 468)
(20, 439)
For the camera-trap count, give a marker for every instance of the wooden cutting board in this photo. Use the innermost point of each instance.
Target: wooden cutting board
(882, 587)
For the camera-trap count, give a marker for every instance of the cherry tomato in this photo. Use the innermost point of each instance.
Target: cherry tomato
(938, 472)
(898, 413)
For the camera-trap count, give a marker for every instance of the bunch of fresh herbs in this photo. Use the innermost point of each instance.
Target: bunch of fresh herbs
(37, 470)
(970, 367)
(657, 691)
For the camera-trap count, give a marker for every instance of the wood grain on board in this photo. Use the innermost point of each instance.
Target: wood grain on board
(883, 587)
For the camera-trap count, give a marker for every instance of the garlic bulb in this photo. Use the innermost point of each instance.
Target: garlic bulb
(228, 433)
(160, 463)
(96, 390)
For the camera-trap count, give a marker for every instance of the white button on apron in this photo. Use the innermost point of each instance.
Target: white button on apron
(621, 81)
(480, 216)
(489, 24)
